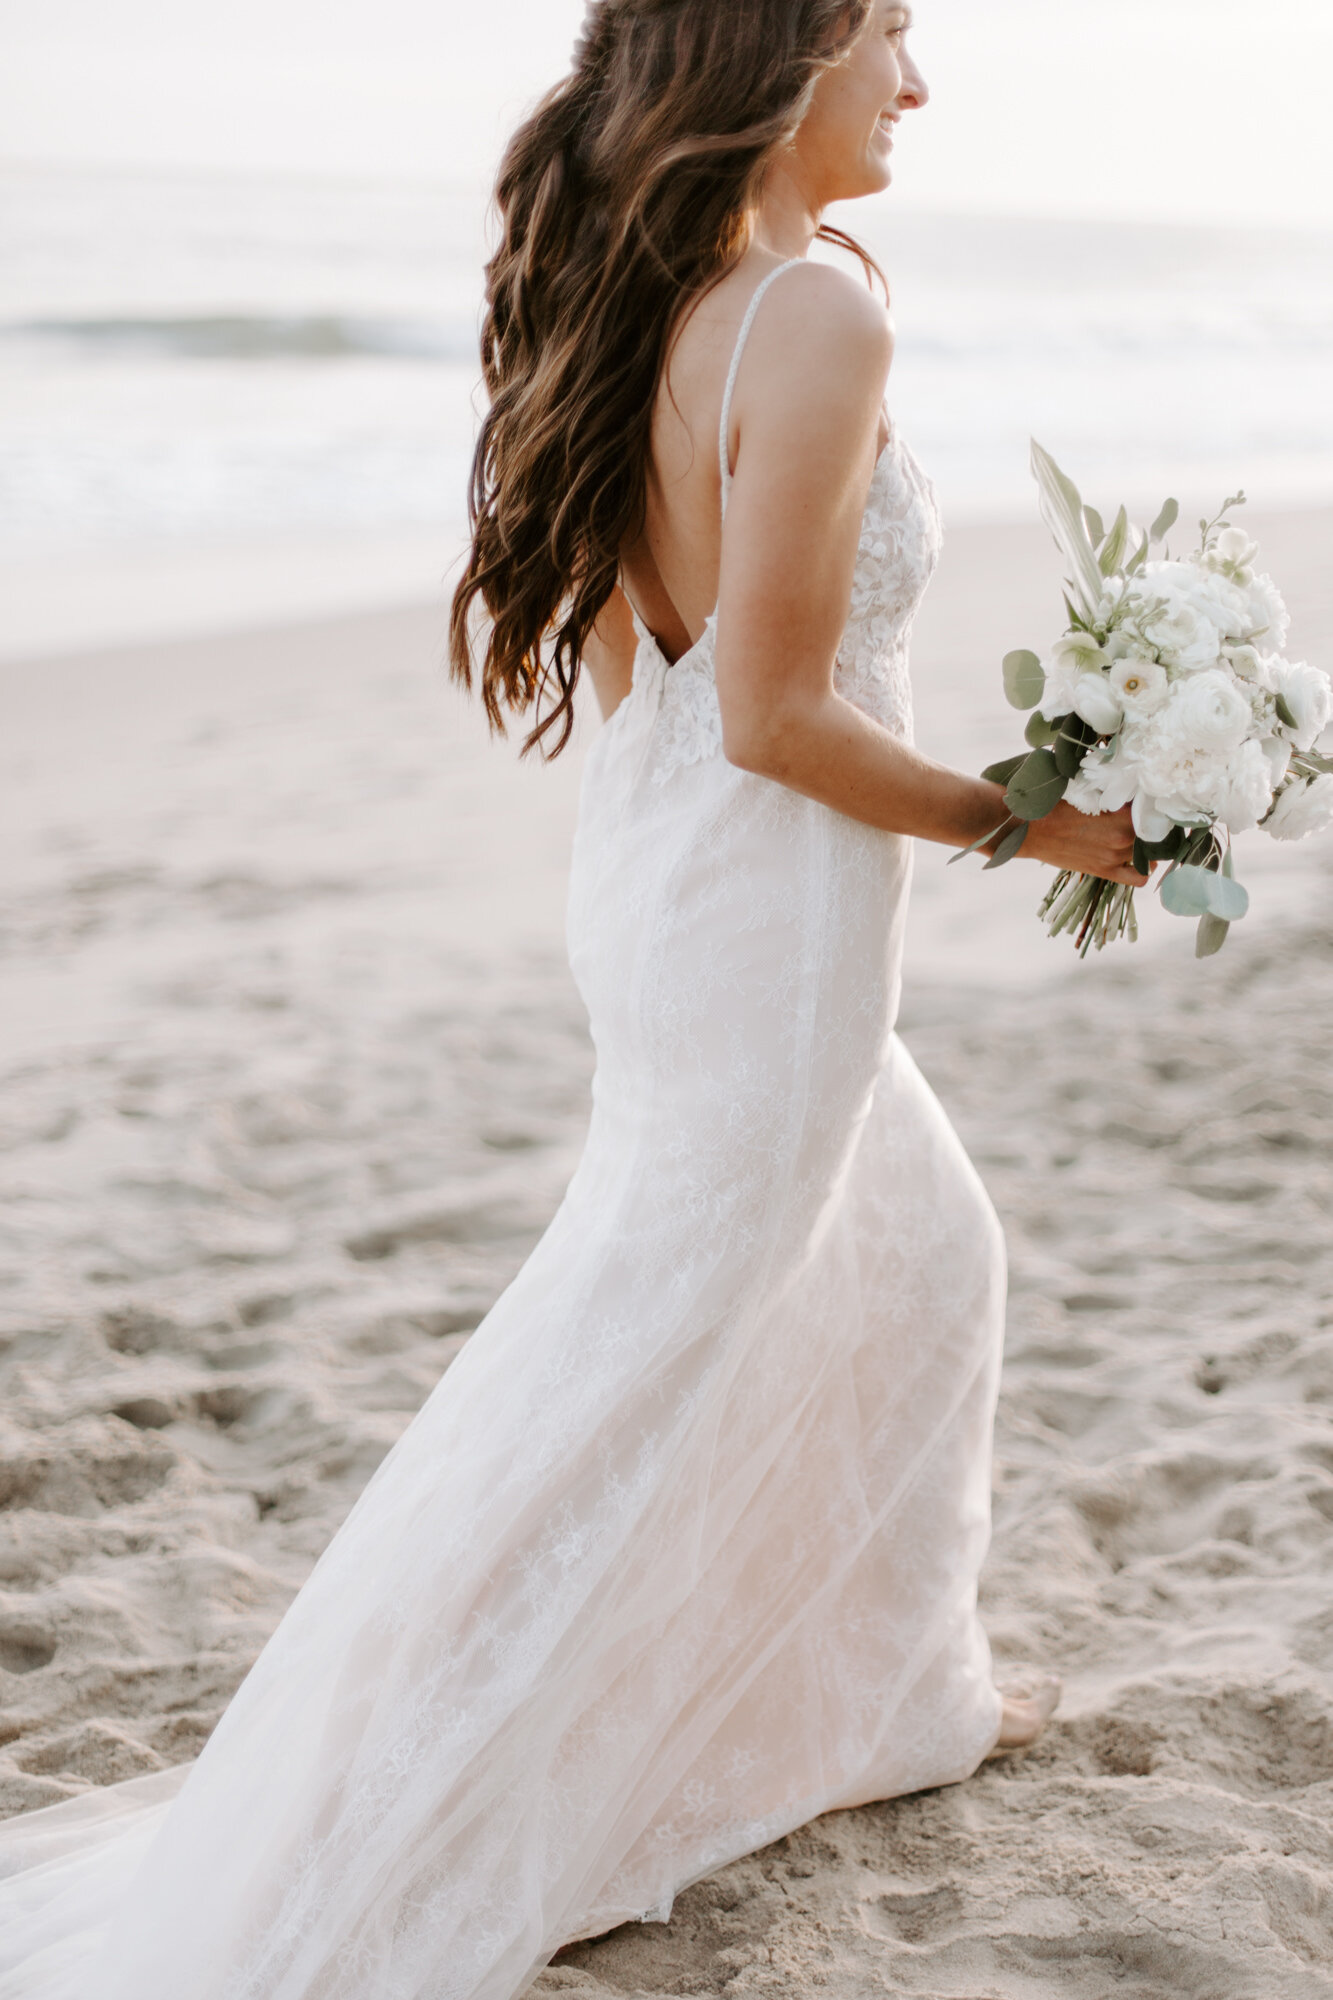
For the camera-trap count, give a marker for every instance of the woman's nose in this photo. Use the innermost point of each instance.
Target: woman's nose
(915, 91)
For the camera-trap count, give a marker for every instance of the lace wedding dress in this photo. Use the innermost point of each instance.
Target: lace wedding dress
(683, 1550)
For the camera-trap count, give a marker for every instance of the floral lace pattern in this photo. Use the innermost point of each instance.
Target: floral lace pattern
(896, 556)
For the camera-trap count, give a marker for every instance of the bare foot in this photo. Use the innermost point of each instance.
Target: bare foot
(1027, 1710)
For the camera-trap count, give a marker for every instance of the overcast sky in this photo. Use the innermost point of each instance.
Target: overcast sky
(1177, 108)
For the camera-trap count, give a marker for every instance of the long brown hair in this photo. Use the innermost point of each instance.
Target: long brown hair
(624, 198)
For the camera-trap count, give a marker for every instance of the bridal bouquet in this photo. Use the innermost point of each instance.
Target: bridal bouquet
(1168, 692)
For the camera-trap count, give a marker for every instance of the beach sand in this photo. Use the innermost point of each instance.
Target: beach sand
(293, 1075)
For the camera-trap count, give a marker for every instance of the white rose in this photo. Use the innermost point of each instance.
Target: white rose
(1303, 808)
(1309, 696)
(1150, 822)
(1141, 686)
(1058, 695)
(1097, 702)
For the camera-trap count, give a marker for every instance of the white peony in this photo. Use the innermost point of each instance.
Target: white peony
(1303, 808)
(1207, 712)
(1193, 758)
(1141, 686)
(1309, 696)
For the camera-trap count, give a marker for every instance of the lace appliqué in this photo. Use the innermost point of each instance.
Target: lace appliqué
(896, 556)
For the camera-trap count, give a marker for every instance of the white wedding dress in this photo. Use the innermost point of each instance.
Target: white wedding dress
(683, 1550)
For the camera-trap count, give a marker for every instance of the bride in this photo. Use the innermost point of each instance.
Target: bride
(683, 1550)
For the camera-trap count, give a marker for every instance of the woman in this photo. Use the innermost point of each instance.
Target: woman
(683, 1550)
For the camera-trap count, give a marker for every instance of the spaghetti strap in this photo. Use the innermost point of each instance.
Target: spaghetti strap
(737, 351)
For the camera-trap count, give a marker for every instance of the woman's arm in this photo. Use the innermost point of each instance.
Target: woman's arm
(808, 410)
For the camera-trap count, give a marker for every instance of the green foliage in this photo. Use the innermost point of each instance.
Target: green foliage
(1024, 679)
(1039, 733)
(1113, 550)
(1001, 773)
(1190, 891)
(1165, 522)
(1210, 936)
(1009, 846)
(1036, 788)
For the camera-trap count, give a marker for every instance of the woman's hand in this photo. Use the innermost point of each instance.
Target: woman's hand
(1088, 844)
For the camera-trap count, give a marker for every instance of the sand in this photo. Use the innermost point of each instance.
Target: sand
(293, 1073)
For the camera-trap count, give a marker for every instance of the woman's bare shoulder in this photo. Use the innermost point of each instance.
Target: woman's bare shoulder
(822, 341)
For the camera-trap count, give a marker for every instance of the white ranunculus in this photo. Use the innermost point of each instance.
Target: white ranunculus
(1141, 685)
(1303, 808)
(1309, 696)
(1268, 615)
(1097, 702)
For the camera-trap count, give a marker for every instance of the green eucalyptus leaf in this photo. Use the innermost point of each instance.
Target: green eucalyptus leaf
(1226, 898)
(1039, 733)
(1009, 846)
(1113, 550)
(1185, 891)
(1190, 891)
(1024, 679)
(1001, 773)
(1210, 936)
(1142, 859)
(1284, 712)
(977, 845)
(1165, 521)
(1068, 750)
(1168, 848)
(1036, 788)
(1096, 527)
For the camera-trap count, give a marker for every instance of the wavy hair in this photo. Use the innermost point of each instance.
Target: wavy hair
(625, 197)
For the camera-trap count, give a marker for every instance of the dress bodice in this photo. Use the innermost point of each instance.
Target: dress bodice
(899, 546)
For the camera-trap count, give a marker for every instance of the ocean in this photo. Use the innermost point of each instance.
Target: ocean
(191, 358)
